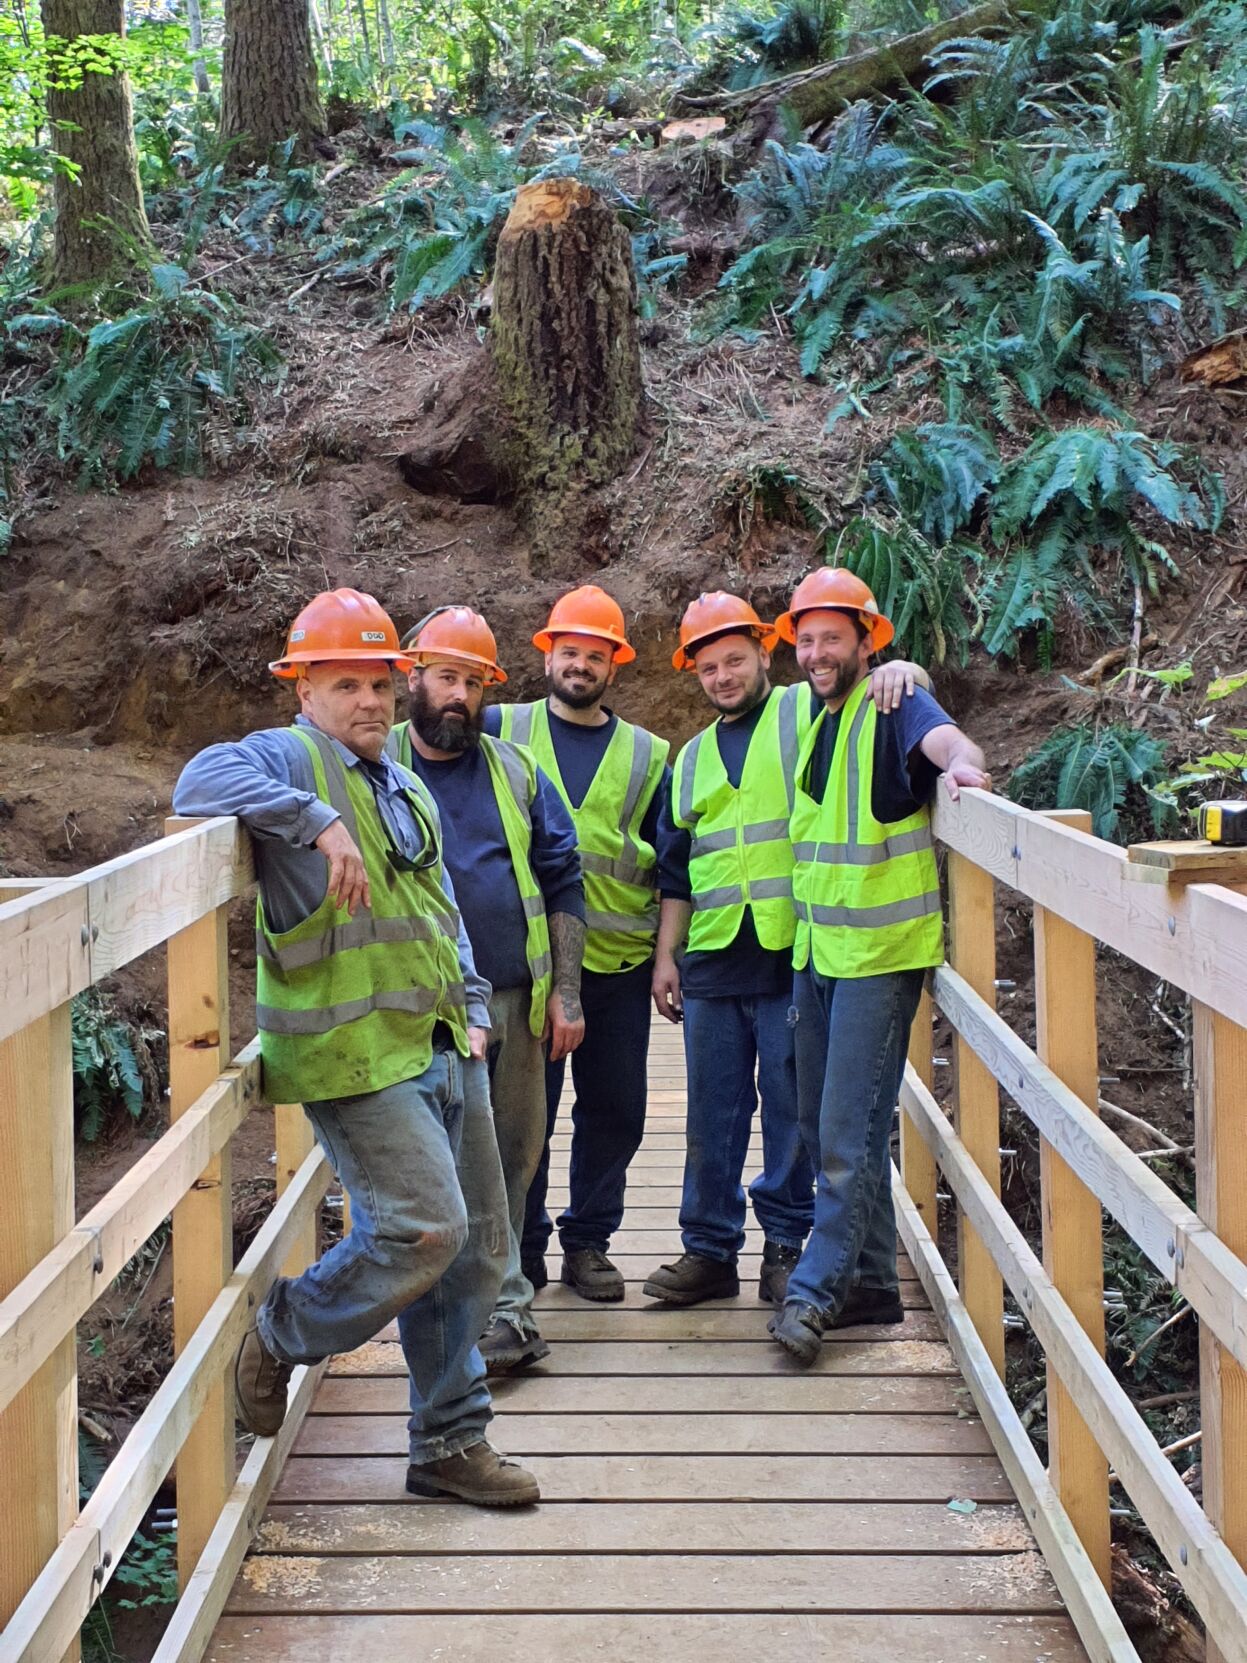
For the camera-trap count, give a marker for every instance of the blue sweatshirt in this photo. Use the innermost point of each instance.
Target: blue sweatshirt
(479, 861)
(267, 780)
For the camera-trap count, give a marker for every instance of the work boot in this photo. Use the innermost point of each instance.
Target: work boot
(692, 1278)
(478, 1474)
(536, 1272)
(869, 1305)
(778, 1264)
(590, 1273)
(260, 1382)
(799, 1329)
(507, 1348)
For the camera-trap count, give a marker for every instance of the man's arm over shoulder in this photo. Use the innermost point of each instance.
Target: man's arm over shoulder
(265, 779)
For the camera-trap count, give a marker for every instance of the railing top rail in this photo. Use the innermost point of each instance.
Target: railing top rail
(59, 939)
(1193, 936)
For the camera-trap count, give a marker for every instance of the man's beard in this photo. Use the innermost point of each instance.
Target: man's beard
(576, 696)
(452, 728)
(747, 701)
(845, 682)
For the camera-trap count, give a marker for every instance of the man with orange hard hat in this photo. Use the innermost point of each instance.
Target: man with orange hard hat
(609, 773)
(869, 926)
(511, 850)
(372, 1016)
(725, 876)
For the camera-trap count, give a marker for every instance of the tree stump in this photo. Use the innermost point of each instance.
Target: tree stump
(564, 339)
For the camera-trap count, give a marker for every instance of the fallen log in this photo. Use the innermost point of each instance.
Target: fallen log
(1221, 364)
(815, 95)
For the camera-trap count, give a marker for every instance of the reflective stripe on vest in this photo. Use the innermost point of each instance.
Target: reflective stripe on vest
(621, 903)
(740, 854)
(513, 775)
(347, 1005)
(867, 893)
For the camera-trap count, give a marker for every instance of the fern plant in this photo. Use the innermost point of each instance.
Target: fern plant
(1088, 768)
(937, 474)
(920, 588)
(107, 1076)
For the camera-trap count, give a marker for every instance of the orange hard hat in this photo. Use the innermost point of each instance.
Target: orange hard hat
(340, 624)
(718, 613)
(456, 632)
(587, 611)
(836, 589)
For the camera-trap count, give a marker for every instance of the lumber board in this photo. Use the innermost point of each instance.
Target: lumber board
(557, 1297)
(1194, 936)
(636, 1526)
(45, 954)
(664, 1324)
(1216, 1583)
(646, 1394)
(676, 1637)
(891, 1478)
(840, 1356)
(687, 1434)
(652, 1582)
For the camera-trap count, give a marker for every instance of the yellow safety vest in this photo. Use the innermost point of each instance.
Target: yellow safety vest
(867, 892)
(621, 898)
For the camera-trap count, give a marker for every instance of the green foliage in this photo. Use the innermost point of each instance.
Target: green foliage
(920, 588)
(150, 1571)
(748, 46)
(107, 1076)
(1091, 769)
(937, 475)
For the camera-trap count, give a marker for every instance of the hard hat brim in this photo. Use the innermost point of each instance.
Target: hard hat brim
(287, 668)
(682, 658)
(624, 654)
(495, 675)
(881, 629)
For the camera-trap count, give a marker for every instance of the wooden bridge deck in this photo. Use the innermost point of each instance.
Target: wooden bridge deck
(701, 1498)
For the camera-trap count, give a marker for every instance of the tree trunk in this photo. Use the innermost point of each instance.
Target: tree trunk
(100, 231)
(816, 95)
(195, 23)
(269, 91)
(565, 339)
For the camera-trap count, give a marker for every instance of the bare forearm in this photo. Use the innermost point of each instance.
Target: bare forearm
(567, 950)
(673, 921)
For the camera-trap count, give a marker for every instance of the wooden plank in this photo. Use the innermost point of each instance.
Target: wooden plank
(45, 954)
(189, 1629)
(650, 1582)
(1216, 1583)
(688, 1434)
(917, 1162)
(49, 1617)
(635, 1526)
(295, 1141)
(839, 1356)
(556, 1296)
(1172, 1235)
(891, 1478)
(1187, 861)
(1219, 1053)
(1194, 936)
(1073, 1236)
(661, 1325)
(675, 1636)
(645, 1394)
(976, 1097)
(1076, 1577)
(203, 1220)
(39, 1428)
(67, 1281)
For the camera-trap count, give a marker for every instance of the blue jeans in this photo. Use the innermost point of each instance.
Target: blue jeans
(724, 1039)
(608, 1115)
(428, 1245)
(851, 1040)
(517, 1090)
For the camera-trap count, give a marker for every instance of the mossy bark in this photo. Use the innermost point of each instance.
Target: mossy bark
(269, 90)
(100, 232)
(564, 339)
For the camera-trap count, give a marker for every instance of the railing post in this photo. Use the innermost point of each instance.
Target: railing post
(295, 1141)
(918, 1171)
(1073, 1234)
(1219, 1049)
(203, 1222)
(39, 1429)
(976, 1099)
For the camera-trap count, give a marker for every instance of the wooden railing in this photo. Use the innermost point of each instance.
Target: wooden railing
(57, 939)
(1193, 934)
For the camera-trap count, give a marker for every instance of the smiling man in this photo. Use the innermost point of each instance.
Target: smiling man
(372, 1016)
(869, 925)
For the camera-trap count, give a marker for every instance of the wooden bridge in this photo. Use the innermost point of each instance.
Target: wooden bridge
(699, 1495)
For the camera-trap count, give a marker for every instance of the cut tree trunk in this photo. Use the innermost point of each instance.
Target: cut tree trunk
(269, 91)
(100, 232)
(565, 338)
(816, 95)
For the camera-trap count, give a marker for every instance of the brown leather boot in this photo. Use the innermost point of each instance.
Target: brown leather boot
(478, 1474)
(692, 1278)
(260, 1382)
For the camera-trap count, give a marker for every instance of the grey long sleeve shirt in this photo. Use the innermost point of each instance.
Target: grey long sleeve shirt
(266, 780)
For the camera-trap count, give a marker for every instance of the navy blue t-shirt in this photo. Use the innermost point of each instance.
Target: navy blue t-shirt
(745, 969)
(903, 779)
(475, 850)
